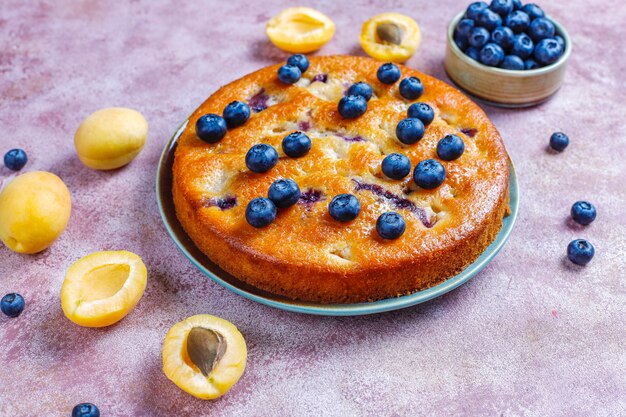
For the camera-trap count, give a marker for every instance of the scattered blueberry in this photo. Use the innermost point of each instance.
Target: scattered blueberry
(548, 51)
(85, 410)
(583, 212)
(388, 73)
(450, 147)
(541, 28)
(211, 128)
(284, 193)
(422, 111)
(296, 144)
(489, 19)
(390, 225)
(396, 166)
(362, 89)
(513, 62)
(261, 158)
(518, 21)
(300, 61)
(12, 304)
(289, 74)
(344, 207)
(530, 64)
(491, 55)
(473, 53)
(523, 46)
(561, 41)
(236, 113)
(464, 27)
(580, 251)
(260, 212)
(411, 88)
(15, 159)
(474, 9)
(502, 7)
(410, 130)
(502, 36)
(429, 174)
(559, 141)
(479, 37)
(533, 11)
(351, 107)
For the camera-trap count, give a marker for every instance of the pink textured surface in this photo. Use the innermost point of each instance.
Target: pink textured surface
(531, 335)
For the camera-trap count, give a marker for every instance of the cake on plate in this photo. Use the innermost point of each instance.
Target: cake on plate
(305, 252)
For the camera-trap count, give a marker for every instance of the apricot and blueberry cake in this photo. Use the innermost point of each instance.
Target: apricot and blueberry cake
(297, 179)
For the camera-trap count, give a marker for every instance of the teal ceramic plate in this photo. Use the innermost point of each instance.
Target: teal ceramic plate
(185, 244)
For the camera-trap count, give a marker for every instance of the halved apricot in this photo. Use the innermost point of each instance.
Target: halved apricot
(204, 356)
(390, 37)
(102, 288)
(300, 30)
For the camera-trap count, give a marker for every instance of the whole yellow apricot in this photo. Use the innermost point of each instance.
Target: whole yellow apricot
(110, 138)
(34, 210)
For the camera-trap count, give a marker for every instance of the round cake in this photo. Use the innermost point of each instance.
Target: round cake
(305, 253)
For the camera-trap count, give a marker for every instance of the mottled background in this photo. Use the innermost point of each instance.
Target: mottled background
(532, 335)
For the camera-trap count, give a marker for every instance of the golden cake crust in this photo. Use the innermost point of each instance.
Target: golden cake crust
(305, 254)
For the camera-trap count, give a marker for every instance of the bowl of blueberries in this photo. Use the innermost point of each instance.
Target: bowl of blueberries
(507, 53)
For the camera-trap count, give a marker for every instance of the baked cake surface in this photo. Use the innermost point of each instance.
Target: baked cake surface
(305, 254)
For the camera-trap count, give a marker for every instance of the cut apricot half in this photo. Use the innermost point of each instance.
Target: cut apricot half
(300, 30)
(390, 37)
(102, 288)
(204, 356)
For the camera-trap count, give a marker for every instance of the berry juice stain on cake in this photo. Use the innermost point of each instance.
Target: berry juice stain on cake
(259, 101)
(469, 132)
(323, 78)
(224, 203)
(310, 197)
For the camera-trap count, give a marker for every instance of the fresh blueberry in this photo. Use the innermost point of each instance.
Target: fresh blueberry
(396, 166)
(296, 144)
(491, 55)
(479, 37)
(512, 62)
(300, 61)
(548, 51)
(284, 193)
(502, 36)
(461, 41)
(410, 130)
(489, 19)
(541, 28)
(15, 159)
(473, 53)
(289, 74)
(429, 174)
(421, 111)
(411, 88)
(236, 114)
(583, 212)
(12, 304)
(474, 9)
(261, 158)
(388, 73)
(518, 21)
(464, 27)
(390, 225)
(523, 46)
(530, 64)
(450, 147)
(260, 212)
(351, 107)
(517, 4)
(211, 128)
(502, 7)
(362, 89)
(85, 410)
(559, 141)
(344, 207)
(561, 41)
(580, 251)
(532, 10)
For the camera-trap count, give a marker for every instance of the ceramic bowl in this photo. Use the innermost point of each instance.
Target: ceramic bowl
(501, 87)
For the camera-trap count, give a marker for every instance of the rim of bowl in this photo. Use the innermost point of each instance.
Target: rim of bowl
(560, 30)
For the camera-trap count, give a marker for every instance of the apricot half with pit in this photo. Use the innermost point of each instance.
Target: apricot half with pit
(390, 37)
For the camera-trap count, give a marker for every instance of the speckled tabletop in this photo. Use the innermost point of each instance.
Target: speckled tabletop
(531, 335)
